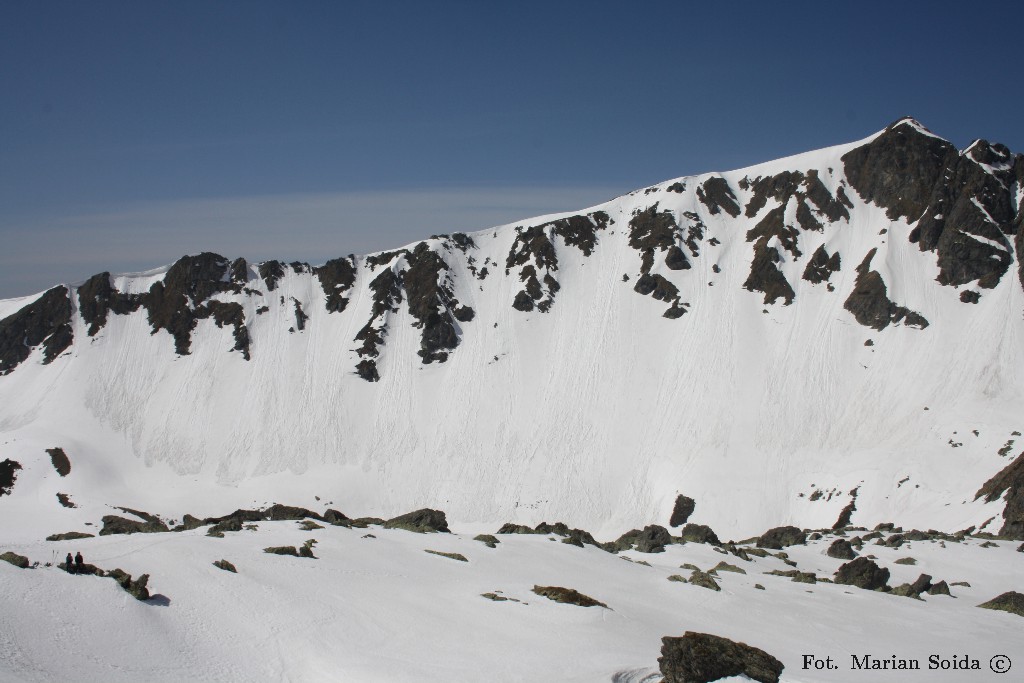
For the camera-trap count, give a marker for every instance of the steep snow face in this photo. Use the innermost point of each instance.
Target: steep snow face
(767, 341)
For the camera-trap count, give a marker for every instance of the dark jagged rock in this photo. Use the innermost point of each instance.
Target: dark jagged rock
(226, 566)
(226, 526)
(821, 266)
(386, 289)
(841, 549)
(336, 277)
(969, 297)
(681, 511)
(702, 657)
(238, 272)
(8, 475)
(1011, 601)
(60, 461)
(19, 561)
(765, 276)
(782, 537)
(45, 322)
(420, 521)
(940, 588)
(229, 313)
(651, 230)
(282, 550)
(567, 596)
(367, 369)
(870, 305)
(69, 536)
(138, 588)
(581, 231)
(704, 580)
(846, 514)
(1009, 480)
(534, 244)
(510, 528)
(65, 500)
(699, 533)
(716, 194)
(651, 539)
(300, 315)
(97, 298)
(898, 169)
(657, 287)
(271, 272)
(862, 573)
(431, 302)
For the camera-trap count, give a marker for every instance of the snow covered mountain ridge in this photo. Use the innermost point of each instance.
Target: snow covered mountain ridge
(837, 333)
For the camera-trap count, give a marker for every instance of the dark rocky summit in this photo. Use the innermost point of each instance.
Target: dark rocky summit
(45, 322)
(702, 657)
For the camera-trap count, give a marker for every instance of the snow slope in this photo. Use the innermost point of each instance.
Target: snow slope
(597, 412)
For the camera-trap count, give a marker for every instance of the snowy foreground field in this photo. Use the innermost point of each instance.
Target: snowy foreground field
(374, 606)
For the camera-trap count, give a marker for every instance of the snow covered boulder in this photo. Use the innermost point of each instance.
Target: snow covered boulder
(420, 521)
(782, 537)
(862, 573)
(702, 657)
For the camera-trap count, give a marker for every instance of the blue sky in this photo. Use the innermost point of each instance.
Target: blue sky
(132, 133)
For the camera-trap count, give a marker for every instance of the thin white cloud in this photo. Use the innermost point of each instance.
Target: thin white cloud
(42, 250)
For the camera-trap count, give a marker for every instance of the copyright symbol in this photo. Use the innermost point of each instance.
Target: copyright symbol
(1000, 664)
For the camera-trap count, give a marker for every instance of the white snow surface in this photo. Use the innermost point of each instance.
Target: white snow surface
(380, 609)
(597, 413)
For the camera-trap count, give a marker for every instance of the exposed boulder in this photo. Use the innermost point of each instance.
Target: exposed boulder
(704, 580)
(226, 566)
(335, 518)
(278, 512)
(487, 539)
(138, 588)
(940, 588)
(1011, 601)
(702, 657)
(568, 596)
(19, 561)
(113, 524)
(699, 533)
(782, 537)
(420, 521)
(862, 573)
(681, 511)
(282, 550)
(451, 556)
(60, 461)
(69, 536)
(841, 549)
(651, 539)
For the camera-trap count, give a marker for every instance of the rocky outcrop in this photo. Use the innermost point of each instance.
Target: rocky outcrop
(821, 266)
(1009, 480)
(899, 169)
(702, 657)
(46, 323)
(19, 561)
(113, 524)
(336, 278)
(782, 537)
(420, 521)
(716, 194)
(698, 533)
(567, 596)
(69, 536)
(226, 566)
(138, 588)
(8, 475)
(870, 304)
(862, 573)
(1011, 601)
(60, 461)
(841, 549)
(681, 511)
(651, 539)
